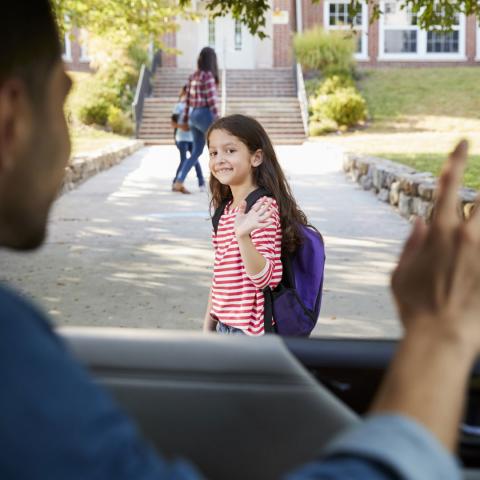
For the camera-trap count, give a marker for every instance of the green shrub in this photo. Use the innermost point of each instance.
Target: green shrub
(332, 84)
(95, 112)
(119, 121)
(327, 51)
(345, 106)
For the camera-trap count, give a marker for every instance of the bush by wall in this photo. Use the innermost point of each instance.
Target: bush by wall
(330, 52)
(335, 105)
(104, 98)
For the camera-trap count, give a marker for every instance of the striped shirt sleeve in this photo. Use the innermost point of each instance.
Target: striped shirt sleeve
(268, 242)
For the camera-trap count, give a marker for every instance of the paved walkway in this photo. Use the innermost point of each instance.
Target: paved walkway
(125, 251)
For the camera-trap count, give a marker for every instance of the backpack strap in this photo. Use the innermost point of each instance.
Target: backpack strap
(218, 213)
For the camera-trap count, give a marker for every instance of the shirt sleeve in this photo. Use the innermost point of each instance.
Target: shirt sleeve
(210, 93)
(56, 422)
(384, 447)
(268, 242)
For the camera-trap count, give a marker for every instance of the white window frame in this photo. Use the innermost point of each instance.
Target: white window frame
(363, 54)
(422, 54)
(67, 56)
(477, 51)
(84, 50)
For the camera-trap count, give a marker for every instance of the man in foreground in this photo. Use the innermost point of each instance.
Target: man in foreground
(56, 423)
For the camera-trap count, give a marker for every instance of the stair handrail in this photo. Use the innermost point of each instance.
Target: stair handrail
(224, 92)
(302, 97)
(144, 89)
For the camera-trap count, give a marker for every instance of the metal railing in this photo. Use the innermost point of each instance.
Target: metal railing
(144, 89)
(224, 93)
(302, 97)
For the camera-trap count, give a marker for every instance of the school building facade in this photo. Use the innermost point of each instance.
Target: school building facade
(393, 40)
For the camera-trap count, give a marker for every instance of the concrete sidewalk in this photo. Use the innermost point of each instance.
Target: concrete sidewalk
(123, 250)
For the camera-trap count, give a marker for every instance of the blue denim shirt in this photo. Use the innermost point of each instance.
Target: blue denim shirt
(384, 447)
(56, 423)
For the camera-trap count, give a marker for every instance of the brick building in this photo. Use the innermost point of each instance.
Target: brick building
(75, 50)
(395, 39)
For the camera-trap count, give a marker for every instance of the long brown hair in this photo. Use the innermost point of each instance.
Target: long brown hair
(267, 175)
(207, 62)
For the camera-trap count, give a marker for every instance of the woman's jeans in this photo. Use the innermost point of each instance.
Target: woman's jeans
(183, 148)
(199, 121)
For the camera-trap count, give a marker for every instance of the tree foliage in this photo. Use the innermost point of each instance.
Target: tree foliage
(153, 18)
(121, 20)
(438, 14)
(431, 14)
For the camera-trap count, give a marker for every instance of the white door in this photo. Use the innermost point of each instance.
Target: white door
(232, 41)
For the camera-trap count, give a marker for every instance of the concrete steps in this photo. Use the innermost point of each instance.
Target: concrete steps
(269, 95)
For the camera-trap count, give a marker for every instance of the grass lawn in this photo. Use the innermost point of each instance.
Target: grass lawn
(417, 115)
(85, 139)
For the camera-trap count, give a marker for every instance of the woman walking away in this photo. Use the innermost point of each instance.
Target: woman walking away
(183, 137)
(248, 245)
(201, 109)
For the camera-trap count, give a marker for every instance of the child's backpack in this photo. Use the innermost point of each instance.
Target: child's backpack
(293, 307)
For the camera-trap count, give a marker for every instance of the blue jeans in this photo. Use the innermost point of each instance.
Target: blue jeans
(227, 329)
(183, 148)
(200, 119)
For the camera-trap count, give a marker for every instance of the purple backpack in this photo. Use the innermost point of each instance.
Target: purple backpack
(293, 307)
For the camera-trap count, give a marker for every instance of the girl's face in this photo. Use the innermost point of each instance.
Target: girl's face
(231, 162)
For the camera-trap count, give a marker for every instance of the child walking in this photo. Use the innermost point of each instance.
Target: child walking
(184, 138)
(248, 245)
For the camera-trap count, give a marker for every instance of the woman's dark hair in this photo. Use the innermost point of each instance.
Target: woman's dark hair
(29, 45)
(183, 91)
(207, 62)
(268, 175)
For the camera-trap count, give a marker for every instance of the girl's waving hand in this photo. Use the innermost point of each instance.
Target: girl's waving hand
(259, 216)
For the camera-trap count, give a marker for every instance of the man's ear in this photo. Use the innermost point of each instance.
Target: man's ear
(257, 158)
(15, 121)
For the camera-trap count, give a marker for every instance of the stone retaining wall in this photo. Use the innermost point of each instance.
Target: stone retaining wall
(84, 166)
(410, 191)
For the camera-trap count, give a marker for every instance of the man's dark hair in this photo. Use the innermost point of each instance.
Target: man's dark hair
(29, 44)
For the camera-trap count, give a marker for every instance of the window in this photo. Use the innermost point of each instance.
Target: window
(238, 35)
(336, 17)
(67, 48)
(211, 32)
(477, 56)
(84, 57)
(401, 37)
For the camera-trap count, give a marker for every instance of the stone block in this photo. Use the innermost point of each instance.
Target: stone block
(409, 183)
(426, 190)
(384, 195)
(363, 166)
(422, 208)
(366, 182)
(378, 176)
(355, 174)
(468, 209)
(405, 205)
(394, 193)
(348, 161)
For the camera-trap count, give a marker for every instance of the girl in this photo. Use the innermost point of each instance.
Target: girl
(248, 246)
(201, 109)
(183, 137)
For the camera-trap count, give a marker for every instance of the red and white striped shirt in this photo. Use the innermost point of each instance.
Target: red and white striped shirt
(202, 91)
(237, 298)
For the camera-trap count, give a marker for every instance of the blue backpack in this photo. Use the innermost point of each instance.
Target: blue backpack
(292, 308)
